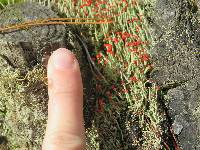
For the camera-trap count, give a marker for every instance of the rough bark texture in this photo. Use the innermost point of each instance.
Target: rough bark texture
(176, 50)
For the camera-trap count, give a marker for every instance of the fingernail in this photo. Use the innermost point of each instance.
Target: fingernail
(63, 59)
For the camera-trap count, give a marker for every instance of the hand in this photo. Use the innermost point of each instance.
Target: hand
(65, 130)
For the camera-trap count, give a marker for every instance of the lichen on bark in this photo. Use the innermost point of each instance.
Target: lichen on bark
(175, 55)
(24, 106)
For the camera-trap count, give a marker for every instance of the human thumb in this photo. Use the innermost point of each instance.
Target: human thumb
(65, 130)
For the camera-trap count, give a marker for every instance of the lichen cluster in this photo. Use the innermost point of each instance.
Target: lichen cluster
(23, 108)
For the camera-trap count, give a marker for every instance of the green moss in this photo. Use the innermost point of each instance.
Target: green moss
(3, 3)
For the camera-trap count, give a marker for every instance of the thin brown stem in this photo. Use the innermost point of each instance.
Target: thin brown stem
(45, 22)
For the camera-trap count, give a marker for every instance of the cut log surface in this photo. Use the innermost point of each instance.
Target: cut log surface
(27, 47)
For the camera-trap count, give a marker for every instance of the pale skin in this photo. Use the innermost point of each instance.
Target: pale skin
(65, 129)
